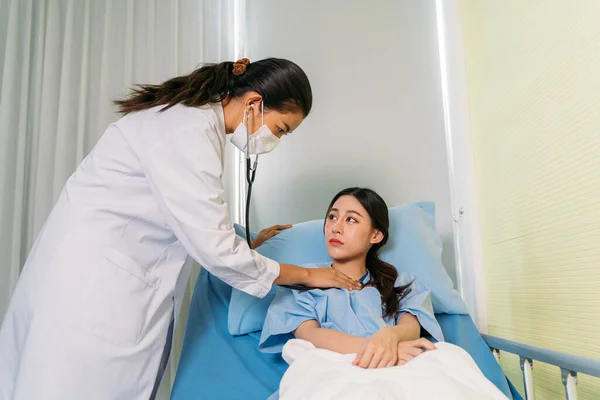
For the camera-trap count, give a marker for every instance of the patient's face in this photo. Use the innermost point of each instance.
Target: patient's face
(349, 233)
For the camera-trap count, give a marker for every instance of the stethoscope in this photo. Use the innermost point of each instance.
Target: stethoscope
(250, 175)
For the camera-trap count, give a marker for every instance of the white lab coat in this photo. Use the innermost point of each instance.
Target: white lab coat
(89, 316)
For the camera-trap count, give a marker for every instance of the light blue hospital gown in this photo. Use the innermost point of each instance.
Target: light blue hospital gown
(357, 313)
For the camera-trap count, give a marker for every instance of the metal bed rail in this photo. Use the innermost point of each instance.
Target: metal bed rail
(570, 365)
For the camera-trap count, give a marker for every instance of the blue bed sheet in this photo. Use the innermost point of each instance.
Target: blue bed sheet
(216, 365)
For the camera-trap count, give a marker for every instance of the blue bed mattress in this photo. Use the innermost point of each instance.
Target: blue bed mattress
(216, 365)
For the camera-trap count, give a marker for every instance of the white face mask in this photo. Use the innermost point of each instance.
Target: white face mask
(261, 142)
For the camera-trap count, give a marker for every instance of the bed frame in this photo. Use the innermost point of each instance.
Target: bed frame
(569, 365)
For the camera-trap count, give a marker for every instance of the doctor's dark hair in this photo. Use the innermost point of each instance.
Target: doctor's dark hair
(383, 275)
(282, 84)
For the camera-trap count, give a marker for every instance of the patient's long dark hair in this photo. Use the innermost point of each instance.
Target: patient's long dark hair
(383, 275)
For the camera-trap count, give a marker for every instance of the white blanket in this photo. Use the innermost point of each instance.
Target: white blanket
(447, 373)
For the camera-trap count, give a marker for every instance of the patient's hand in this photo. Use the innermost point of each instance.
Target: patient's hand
(268, 233)
(380, 350)
(411, 349)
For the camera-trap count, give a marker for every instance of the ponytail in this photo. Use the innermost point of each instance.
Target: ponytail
(282, 84)
(207, 84)
(383, 278)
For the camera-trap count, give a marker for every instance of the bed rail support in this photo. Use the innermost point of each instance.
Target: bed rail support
(527, 368)
(570, 365)
(569, 381)
(496, 354)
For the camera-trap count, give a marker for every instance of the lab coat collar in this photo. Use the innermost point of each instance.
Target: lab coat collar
(218, 110)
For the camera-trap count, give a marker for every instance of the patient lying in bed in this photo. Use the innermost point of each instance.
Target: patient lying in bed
(338, 334)
(379, 322)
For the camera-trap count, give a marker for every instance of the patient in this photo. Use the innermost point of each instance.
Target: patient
(384, 322)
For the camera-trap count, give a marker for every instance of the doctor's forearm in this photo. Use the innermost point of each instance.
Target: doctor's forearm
(291, 274)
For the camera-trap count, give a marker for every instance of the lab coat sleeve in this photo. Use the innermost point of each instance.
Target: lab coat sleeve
(185, 172)
(418, 303)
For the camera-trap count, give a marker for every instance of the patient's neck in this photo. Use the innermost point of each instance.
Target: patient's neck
(355, 269)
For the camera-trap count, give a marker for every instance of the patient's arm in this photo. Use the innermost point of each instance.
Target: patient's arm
(328, 339)
(407, 328)
(382, 349)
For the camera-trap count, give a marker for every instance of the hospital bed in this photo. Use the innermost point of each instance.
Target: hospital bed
(218, 365)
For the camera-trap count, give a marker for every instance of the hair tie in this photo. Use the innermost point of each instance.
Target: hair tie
(240, 66)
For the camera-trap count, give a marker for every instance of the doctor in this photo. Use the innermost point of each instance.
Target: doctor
(90, 316)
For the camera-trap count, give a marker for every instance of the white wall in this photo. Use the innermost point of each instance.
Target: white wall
(377, 118)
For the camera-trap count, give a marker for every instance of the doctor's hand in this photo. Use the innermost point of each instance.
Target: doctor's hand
(410, 349)
(330, 278)
(268, 233)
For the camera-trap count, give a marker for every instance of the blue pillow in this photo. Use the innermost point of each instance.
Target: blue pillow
(414, 246)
